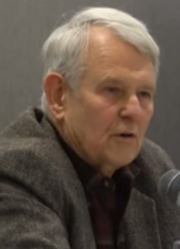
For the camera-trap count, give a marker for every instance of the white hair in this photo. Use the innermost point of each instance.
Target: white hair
(64, 50)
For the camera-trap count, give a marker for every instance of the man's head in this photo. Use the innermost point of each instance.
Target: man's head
(100, 79)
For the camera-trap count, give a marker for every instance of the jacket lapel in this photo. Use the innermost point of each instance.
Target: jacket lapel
(140, 222)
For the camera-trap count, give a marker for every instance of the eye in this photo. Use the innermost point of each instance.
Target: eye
(145, 94)
(111, 89)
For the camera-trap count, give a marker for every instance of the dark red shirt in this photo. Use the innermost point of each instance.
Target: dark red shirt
(107, 199)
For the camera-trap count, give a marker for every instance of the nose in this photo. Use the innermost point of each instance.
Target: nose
(132, 107)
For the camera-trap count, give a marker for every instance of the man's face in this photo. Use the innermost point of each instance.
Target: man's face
(106, 118)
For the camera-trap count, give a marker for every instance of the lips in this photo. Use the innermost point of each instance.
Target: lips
(127, 134)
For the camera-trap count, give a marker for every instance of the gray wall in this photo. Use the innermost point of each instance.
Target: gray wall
(25, 24)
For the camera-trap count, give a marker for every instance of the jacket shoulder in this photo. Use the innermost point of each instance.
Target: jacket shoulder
(31, 156)
(155, 157)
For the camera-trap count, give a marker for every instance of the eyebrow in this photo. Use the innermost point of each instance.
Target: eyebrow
(114, 80)
(150, 87)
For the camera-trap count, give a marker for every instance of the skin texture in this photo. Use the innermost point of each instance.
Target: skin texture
(106, 118)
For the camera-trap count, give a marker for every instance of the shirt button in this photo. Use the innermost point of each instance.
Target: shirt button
(106, 183)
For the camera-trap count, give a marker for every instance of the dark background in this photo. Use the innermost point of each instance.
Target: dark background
(25, 24)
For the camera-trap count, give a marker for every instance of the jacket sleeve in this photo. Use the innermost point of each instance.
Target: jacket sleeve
(27, 222)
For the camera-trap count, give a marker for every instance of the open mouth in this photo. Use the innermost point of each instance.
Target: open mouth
(126, 135)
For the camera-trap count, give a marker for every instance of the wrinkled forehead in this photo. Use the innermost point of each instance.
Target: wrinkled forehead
(108, 52)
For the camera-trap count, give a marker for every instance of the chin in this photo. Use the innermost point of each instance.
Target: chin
(120, 162)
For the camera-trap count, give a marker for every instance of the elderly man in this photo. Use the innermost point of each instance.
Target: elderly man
(77, 173)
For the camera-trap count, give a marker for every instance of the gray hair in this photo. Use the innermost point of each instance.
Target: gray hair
(63, 50)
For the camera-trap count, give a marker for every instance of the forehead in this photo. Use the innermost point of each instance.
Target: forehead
(111, 54)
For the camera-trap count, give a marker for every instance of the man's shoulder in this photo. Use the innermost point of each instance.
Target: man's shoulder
(154, 157)
(25, 135)
(31, 156)
(26, 124)
(150, 147)
(30, 146)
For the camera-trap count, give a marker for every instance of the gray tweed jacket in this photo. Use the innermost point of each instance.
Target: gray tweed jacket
(42, 201)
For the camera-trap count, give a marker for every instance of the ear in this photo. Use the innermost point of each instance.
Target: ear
(55, 87)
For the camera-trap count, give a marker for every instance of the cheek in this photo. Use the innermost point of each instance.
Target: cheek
(150, 113)
(147, 118)
(99, 120)
(102, 115)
